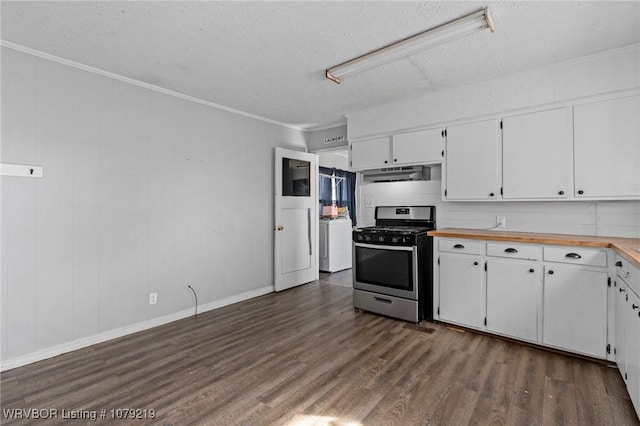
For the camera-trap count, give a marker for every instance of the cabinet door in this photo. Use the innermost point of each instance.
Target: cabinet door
(512, 298)
(370, 154)
(536, 155)
(632, 321)
(472, 161)
(575, 309)
(620, 326)
(418, 147)
(607, 148)
(461, 289)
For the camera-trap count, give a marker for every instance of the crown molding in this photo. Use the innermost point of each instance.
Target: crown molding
(114, 76)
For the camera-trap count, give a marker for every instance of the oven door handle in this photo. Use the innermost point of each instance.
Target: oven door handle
(381, 247)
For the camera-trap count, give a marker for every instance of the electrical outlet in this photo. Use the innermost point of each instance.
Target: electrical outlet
(153, 298)
(368, 202)
(501, 221)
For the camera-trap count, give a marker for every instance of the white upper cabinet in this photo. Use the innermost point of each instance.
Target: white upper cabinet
(412, 148)
(370, 154)
(607, 148)
(421, 147)
(472, 165)
(536, 155)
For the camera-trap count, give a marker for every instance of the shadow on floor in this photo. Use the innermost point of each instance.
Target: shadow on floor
(343, 278)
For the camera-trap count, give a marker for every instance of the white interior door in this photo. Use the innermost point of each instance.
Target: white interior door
(296, 218)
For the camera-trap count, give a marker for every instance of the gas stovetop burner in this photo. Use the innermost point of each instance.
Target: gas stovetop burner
(404, 230)
(398, 226)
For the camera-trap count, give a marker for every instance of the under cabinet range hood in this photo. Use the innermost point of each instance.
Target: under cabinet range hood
(395, 174)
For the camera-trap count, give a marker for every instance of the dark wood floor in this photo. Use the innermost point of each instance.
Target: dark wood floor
(304, 356)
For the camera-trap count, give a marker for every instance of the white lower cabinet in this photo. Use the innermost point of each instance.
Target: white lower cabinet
(513, 287)
(627, 341)
(556, 296)
(632, 320)
(575, 309)
(461, 289)
(620, 343)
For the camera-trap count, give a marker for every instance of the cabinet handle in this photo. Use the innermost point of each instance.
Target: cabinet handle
(634, 306)
(619, 264)
(532, 270)
(573, 256)
(385, 161)
(491, 194)
(560, 192)
(458, 246)
(395, 159)
(550, 272)
(475, 263)
(621, 290)
(581, 192)
(380, 299)
(510, 250)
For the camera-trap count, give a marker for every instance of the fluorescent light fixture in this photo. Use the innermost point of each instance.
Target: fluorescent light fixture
(441, 34)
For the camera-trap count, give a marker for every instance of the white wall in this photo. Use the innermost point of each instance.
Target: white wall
(142, 192)
(607, 72)
(610, 218)
(316, 138)
(338, 160)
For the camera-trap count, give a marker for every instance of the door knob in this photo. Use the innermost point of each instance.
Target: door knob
(279, 228)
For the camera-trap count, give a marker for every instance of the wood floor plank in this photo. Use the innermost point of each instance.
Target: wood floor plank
(305, 356)
(589, 384)
(559, 407)
(528, 389)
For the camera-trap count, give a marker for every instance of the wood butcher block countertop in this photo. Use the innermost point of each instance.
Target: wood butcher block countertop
(623, 246)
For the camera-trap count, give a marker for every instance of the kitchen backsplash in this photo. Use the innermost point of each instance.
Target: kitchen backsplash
(611, 218)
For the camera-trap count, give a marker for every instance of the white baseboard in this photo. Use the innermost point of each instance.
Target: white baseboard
(130, 329)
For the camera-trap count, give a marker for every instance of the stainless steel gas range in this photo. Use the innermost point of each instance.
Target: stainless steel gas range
(393, 263)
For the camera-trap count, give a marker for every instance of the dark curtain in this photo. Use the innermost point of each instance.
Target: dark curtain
(345, 190)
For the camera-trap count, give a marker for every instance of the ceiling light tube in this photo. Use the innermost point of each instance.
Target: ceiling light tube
(441, 34)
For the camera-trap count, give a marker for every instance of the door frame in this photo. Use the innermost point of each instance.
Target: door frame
(313, 272)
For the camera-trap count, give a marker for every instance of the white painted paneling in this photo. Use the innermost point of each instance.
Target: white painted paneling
(142, 192)
(54, 261)
(541, 87)
(316, 139)
(572, 81)
(86, 290)
(106, 194)
(618, 218)
(127, 175)
(598, 74)
(19, 203)
(627, 69)
(338, 160)
(612, 218)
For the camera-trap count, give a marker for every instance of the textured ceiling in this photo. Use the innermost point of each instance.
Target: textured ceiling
(268, 58)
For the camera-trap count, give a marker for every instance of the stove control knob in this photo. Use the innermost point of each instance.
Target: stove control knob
(381, 239)
(367, 238)
(394, 240)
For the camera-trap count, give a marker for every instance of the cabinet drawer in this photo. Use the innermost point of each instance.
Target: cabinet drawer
(576, 256)
(516, 251)
(460, 246)
(629, 273)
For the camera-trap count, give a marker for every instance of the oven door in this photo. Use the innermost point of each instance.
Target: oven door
(391, 270)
